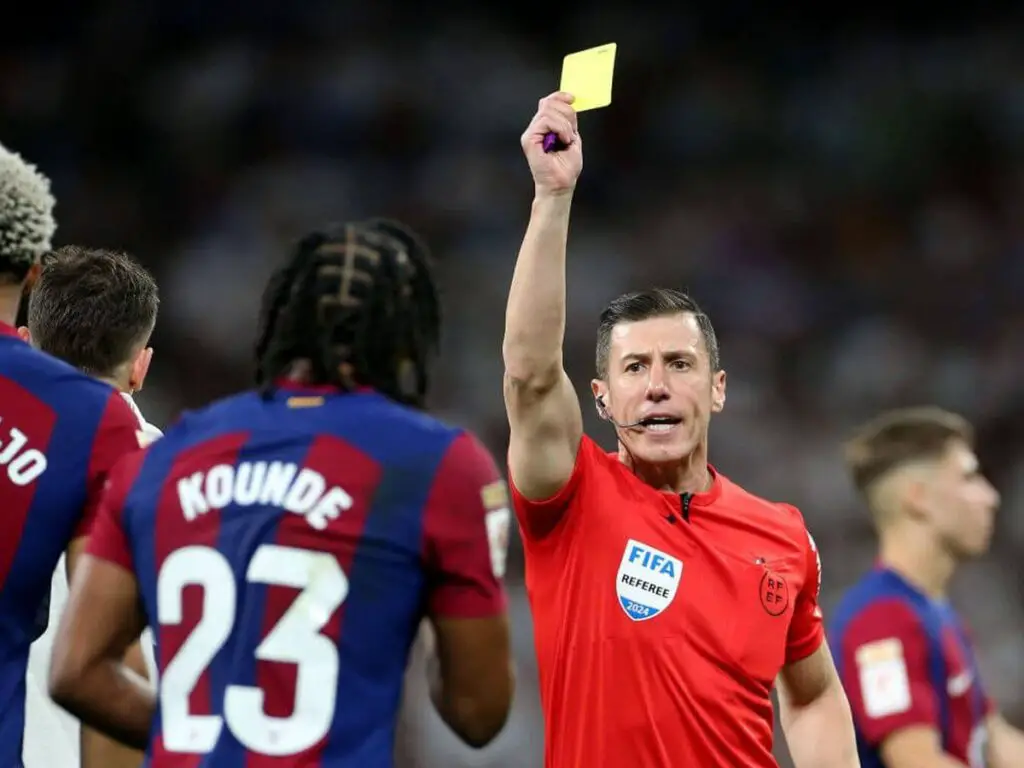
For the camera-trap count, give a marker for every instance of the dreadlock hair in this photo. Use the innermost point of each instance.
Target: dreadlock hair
(359, 303)
(26, 216)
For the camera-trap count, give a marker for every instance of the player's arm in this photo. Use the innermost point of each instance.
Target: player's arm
(103, 618)
(1006, 743)
(813, 709)
(101, 751)
(543, 410)
(884, 657)
(96, 749)
(466, 524)
(118, 435)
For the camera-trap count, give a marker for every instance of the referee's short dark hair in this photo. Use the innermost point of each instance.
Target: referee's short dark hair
(92, 308)
(900, 437)
(643, 305)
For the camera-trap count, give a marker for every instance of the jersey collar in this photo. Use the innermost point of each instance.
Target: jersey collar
(710, 496)
(701, 498)
(8, 330)
(291, 385)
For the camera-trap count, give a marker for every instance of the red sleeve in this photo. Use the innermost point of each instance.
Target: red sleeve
(466, 523)
(884, 663)
(539, 518)
(116, 436)
(107, 540)
(806, 632)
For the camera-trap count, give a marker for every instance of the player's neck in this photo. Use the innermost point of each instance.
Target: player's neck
(10, 299)
(920, 561)
(116, 383)
(691, 475)
(120, 378)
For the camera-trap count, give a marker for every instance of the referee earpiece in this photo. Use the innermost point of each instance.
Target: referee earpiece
(602, 411)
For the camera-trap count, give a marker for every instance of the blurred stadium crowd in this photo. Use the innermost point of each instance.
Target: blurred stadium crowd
(846, 202)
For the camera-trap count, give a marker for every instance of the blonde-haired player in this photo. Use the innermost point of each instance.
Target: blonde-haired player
(60, 432)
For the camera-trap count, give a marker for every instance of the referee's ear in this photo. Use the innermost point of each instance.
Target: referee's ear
(718, 391)
(600, 390)
(24, 335)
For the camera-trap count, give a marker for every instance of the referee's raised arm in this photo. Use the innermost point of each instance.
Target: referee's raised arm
(543, 410)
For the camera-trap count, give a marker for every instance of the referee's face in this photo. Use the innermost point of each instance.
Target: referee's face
(659, 374)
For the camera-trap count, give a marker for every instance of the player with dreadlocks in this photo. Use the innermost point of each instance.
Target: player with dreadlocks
(384, 316)
(60, 432)
(323, 515)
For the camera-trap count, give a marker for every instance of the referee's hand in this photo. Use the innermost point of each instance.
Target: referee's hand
(554, 172)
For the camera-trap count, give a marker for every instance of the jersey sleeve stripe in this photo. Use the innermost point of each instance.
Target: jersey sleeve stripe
(110, 539)
(465, 526)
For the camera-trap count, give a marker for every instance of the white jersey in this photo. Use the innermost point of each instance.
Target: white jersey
(51, 734)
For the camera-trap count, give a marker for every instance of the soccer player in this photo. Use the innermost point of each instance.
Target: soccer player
(667, 600)
(60, 432)
(96, 310)
(905, 657)
(286, 542)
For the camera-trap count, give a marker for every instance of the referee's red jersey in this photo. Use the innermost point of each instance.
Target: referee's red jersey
(661, 620)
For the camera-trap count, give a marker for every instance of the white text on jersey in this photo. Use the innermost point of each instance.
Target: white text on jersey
(276, 484)
(22, 462)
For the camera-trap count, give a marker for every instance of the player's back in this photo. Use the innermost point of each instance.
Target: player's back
(52, 423)
(279, 544)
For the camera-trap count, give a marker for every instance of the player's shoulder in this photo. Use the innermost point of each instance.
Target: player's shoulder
(52, 380)
(380, 427)
(457, 448)
(880, 599)
(415, 422)
(29, 366)
(193, 425)
(389, 431)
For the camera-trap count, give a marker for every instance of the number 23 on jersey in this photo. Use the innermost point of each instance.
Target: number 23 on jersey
(296, 639)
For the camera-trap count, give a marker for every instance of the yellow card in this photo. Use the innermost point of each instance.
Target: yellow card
(587, 75)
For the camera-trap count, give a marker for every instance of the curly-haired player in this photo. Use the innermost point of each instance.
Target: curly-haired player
(60, 431)
(322, 515)
(27, 227)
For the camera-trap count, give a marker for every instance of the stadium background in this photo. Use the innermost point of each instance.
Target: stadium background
(844, 195)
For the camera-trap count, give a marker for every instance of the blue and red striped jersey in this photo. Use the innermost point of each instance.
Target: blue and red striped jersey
(286, 548)
(60, 432)
(907, 659)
